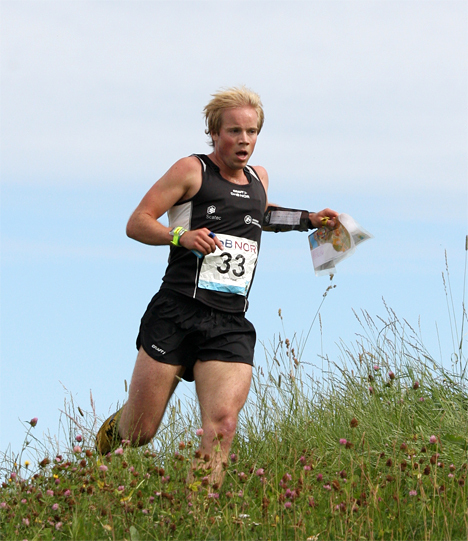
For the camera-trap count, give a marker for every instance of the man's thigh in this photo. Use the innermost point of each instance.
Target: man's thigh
(222, 388)
(151, 388)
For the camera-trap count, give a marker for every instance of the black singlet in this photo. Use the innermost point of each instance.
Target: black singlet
(235, 214)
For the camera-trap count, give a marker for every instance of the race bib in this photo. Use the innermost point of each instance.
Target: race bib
(231, 269)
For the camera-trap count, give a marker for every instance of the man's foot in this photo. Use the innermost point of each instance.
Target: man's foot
(108, 438)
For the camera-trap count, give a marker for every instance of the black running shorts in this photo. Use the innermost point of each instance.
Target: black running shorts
(179, 330)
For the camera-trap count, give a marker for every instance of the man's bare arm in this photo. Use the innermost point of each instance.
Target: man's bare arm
(181, 181)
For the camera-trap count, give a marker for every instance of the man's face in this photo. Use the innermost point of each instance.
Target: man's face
(235, 142)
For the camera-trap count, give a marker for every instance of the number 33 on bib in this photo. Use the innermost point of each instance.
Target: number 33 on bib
(231, 269)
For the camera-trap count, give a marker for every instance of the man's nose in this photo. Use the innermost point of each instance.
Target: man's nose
(243, 137)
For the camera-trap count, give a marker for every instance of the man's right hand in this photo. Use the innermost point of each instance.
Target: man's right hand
(200, 241)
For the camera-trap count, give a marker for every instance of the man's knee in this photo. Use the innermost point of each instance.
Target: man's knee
(224, 425)
(139, 434)
(139, 431)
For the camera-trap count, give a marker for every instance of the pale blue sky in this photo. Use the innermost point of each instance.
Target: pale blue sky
(366, 112)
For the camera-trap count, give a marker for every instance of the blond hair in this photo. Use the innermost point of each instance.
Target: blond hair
(227, 99)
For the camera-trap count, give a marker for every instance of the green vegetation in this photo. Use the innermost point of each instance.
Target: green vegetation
(375, 448)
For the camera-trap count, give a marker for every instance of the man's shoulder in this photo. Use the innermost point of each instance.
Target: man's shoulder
(261, 171)
(262, 174)
(187, 165)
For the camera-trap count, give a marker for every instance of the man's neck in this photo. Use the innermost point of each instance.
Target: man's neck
(236, 176)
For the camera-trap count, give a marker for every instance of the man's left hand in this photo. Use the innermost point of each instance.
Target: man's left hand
(326, 217)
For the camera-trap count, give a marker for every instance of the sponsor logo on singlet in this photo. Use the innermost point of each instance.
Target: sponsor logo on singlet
(210, 213)
(249, 220)
(240, 193)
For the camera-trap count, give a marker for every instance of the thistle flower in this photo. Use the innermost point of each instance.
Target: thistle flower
(55, 507)
(391, 375)
(343, 441)
(354, 422)
(413, 493)
(287, 505)
(77, 449)
(103, 468)
(119, 451)
(33, 421)
(199, 432)
(49, 492)
(433, 439)
(59, 525)
(233, 458)
(416, 385)
(319, 477)
(260, 472)
(26, 521)
(376, 367)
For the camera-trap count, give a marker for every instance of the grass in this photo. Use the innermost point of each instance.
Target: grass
(376, 448)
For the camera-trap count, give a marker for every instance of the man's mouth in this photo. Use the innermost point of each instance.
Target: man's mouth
(242, 154)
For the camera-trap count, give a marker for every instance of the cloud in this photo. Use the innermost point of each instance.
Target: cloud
(359, 93)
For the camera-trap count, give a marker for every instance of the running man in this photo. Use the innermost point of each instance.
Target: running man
(195, 326)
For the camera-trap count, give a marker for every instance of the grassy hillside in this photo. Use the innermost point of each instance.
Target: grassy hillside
(374, 448)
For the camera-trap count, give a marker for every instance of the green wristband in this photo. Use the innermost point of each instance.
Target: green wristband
(176, 233)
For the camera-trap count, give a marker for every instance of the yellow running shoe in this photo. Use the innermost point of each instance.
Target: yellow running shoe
(108, 438)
